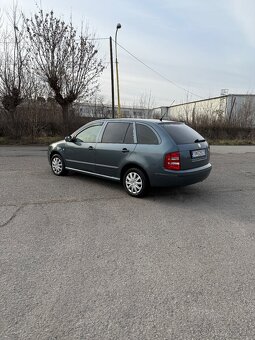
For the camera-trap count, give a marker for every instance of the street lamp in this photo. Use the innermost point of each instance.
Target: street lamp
(117, 70)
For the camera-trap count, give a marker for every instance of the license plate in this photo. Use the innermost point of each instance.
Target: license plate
(198, 153)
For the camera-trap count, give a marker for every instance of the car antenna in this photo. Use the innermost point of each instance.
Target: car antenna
(166, 111)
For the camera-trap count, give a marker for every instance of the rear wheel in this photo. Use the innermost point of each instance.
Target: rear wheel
(58, 165)
(135, 182)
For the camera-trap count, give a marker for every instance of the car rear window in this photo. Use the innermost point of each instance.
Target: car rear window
(182, 133)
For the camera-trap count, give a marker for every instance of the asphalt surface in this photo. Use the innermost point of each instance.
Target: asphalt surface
(80, 259)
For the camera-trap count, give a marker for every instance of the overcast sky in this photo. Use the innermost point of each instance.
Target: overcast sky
(202, 46)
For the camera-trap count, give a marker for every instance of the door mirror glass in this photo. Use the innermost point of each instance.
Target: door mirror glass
(68, 138)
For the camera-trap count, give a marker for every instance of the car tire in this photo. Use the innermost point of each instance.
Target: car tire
(135, 182)
(58, 165)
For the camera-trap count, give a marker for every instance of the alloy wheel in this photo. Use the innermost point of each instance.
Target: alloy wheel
(134, 183)
(57, 165)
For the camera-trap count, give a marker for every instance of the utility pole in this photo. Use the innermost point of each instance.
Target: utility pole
(112, 76)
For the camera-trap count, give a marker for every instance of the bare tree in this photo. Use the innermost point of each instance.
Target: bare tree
(101, 110)
(13, 69)
(146, 102)
(67, 62)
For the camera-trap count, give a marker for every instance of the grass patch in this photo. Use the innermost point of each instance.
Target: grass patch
(231, 142)
(4, 140)
(42, 140)
(29, 140)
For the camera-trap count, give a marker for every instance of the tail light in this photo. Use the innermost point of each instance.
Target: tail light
(172, 161)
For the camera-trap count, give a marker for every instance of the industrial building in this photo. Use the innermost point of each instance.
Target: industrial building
(236, 108)
(101, 110)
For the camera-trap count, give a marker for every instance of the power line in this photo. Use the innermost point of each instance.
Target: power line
(143, 63)
(158, 73)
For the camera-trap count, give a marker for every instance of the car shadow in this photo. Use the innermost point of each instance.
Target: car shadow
(182, 194)
(97, 180)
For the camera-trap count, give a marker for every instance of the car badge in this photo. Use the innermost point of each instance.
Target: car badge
(199, 145)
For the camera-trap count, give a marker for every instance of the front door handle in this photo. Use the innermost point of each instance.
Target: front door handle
(125, 150)
(90, 148)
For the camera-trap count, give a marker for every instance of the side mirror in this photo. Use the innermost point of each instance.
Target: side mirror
(68, 139)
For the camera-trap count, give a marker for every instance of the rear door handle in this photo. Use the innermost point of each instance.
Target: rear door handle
(90, 148)
(125, 150)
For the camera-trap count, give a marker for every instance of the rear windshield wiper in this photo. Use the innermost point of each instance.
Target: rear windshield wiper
(199, 140)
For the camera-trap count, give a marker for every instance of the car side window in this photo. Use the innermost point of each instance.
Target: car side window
(115, 132)
(89, 135)
(145, 135)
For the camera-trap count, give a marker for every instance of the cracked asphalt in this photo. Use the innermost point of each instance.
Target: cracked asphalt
(80, 259)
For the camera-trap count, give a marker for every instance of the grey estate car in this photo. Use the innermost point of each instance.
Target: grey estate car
(137, 152)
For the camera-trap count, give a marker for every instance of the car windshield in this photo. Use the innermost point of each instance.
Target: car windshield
(181, 133)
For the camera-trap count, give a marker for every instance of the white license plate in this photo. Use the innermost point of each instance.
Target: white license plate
(198, 153)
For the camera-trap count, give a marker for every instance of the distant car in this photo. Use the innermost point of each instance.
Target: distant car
(139, 153)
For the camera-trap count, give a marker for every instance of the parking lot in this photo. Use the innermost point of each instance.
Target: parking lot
(80, 259)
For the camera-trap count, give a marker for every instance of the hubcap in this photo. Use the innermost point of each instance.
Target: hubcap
(57, 165)
(134, 183)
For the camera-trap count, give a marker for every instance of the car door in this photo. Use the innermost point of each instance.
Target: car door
(116, 145)
(80, 152)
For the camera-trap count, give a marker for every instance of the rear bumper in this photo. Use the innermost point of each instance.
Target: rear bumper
(168, 178)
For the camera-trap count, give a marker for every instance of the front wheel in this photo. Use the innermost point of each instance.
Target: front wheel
(135, 182)
(58, 165)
